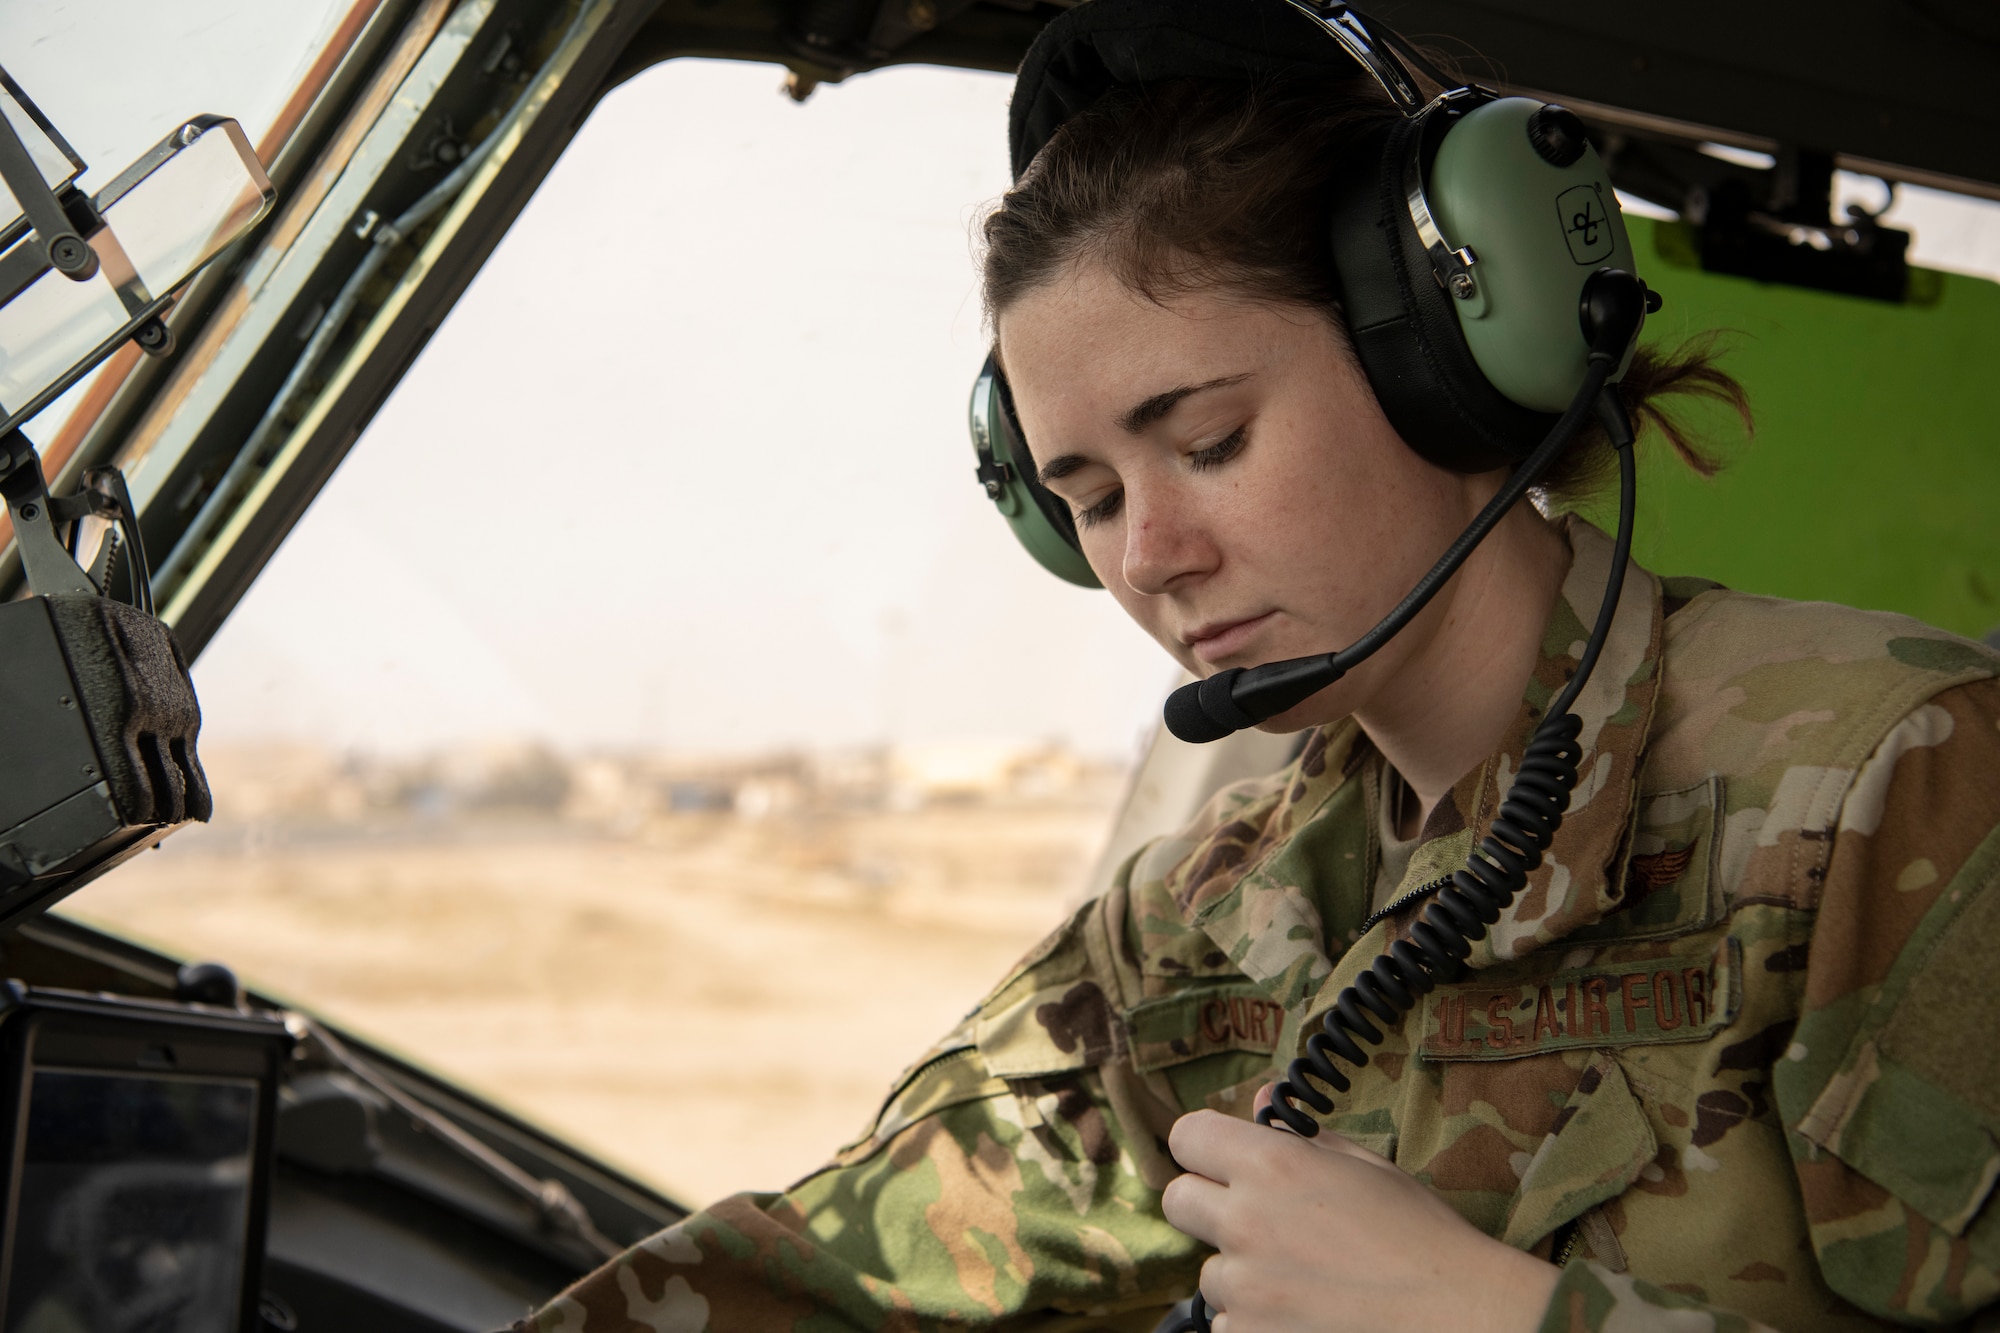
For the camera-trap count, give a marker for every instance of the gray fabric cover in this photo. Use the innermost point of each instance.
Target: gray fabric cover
(139, 702)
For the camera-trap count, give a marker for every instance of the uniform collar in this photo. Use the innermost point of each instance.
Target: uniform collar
(1581, 878)
(1223, 886)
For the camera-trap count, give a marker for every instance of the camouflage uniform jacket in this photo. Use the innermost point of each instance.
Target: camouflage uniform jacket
(1732, 1057)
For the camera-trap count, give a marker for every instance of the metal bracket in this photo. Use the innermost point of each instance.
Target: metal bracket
(91, 500)
(993, 475)
(1452, 265)
(49, 567)
(67, 252)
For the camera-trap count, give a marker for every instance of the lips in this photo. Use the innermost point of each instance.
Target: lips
(1218, 640)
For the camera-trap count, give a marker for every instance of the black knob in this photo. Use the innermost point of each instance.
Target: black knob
(208, 983)
(1612, 309)
(1558, 136)
(277, 1316)
(154, 337)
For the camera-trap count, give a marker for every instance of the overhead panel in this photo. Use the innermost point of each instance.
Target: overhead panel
(1906, 85)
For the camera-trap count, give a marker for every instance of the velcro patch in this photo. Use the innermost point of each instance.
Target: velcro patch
(1672, 885)
(1205, 1020)
(1637, 1002)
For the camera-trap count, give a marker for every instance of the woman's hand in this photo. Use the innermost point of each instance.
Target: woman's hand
(1322, 1235)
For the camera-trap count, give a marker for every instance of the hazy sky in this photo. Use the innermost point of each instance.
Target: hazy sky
(687, 465)
(688, 462)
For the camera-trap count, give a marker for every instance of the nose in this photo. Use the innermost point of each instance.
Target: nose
(1164, 545)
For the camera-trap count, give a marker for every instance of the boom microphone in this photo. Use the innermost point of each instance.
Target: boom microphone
(1231, 700)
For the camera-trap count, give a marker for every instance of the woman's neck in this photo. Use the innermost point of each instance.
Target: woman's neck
(1452, 701)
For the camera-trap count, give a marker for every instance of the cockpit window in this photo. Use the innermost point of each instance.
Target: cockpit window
(653, 696)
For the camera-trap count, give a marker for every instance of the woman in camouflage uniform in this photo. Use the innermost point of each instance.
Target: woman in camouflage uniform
(1728, 1061)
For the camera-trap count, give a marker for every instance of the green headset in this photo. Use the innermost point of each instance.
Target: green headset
(1461, 249)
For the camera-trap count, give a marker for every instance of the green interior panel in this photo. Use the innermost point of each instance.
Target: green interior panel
(1874, 475)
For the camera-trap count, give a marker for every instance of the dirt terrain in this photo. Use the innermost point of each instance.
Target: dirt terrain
(713, 1003)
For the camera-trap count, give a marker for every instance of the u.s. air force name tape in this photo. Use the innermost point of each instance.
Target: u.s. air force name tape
(1669, 998)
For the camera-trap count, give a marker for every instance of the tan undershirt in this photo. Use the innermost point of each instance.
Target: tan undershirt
(1398, 824)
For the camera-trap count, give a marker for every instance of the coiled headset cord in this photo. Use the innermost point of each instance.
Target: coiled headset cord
(1442, 937)
(1529, 816)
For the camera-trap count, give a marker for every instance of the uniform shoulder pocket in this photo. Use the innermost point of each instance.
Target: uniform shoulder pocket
(1914, 1102)
(946, 1078)
(1001, 1038)
(1052, 1015)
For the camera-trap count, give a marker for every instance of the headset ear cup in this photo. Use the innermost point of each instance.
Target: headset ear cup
(1403, 328)
(1040, 520)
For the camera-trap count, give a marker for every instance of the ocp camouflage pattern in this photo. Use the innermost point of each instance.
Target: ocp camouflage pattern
(1731, 1055)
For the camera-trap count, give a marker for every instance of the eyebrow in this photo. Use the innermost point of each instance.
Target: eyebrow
(1156, 407)
(1136, 419)
(1060, 466)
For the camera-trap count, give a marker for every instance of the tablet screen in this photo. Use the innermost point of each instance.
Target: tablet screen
(133, 1204)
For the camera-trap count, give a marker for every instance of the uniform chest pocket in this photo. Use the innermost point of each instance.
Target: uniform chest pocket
(1600, 1143)
(1672, 880)
(1510, 1042)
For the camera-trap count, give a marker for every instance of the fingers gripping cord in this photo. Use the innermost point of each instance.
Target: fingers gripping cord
(1406, 970)
(1442, 937)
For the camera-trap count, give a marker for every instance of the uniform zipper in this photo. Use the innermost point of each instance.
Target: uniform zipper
(943, 1057)
(1421, 891)
(1564, 1248)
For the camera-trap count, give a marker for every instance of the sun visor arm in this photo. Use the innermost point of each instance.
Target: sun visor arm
(98, 719)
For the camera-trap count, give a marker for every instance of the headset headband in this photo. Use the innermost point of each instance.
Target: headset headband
(1102, 44)
(1452, 265)
(1159, 50)
(1349, 27)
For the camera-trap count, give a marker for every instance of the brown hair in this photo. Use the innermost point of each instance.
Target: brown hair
(1188, 185)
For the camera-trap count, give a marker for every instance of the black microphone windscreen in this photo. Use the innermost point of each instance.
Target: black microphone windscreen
(1189, 721)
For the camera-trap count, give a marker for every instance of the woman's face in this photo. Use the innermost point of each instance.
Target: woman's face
(1235, 484)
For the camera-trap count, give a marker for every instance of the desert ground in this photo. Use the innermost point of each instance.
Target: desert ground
(712, 1002)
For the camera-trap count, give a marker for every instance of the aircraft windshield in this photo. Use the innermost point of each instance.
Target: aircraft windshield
(699, 699)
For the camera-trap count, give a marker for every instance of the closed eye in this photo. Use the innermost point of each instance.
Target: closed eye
(1103, 510)
(1201, 460)
(1220, 452)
